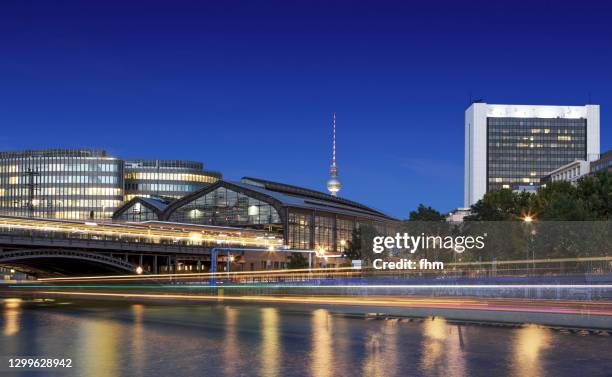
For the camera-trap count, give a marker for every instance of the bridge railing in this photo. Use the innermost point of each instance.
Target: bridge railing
(77, 235)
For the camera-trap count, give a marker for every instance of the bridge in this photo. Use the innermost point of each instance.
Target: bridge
(46, 247)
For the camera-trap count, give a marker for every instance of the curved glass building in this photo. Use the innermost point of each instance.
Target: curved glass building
(307, 219)
(60, 183)
(170, 179)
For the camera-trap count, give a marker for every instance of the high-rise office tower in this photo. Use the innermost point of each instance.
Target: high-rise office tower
(512, 146)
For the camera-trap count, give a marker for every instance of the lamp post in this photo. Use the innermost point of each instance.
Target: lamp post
(528, 220)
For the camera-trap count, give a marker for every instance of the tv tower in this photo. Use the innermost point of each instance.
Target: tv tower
(333, 184)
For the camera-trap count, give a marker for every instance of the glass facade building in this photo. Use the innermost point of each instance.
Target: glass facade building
(516, 146)
(307, 219)
(521, 151)
(60, 183)
(165, 178)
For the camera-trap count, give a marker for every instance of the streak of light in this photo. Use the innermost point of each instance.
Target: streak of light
(319, 286)
(344, 270)
(459, 304)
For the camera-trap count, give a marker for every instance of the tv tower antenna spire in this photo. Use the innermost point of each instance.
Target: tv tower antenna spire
(333, 184)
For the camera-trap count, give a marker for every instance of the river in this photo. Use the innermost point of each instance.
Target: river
(106, 339)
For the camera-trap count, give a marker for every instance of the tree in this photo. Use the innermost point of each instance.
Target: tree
(596, 192)
(501, 205)
(560, 201)
(425, 214)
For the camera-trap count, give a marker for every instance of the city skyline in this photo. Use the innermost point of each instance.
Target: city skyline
(250, 91)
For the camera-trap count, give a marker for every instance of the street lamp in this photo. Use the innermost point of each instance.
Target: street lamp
(528, 219)
(139, 270)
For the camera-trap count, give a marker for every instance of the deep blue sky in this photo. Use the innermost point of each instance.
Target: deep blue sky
(249, 87)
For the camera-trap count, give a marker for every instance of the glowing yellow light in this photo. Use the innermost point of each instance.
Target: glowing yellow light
(320, 251)
(195, 236)
(528, 219)
(342, 242)
(271, 248)
(139, 270)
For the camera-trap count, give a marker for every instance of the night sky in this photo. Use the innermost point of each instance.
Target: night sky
(249, 87)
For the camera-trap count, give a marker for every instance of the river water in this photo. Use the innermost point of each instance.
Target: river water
(122, 339)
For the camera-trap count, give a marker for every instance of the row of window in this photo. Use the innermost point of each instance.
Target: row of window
(144, 187)
(514, 180)
(537, 122)
(55, 179)
(170, 177)
(62, 191)
(63, 203)
(536, 131)
(535, 145)
(537, 138)
(42, 167)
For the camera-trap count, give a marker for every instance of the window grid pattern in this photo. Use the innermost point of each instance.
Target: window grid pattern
(138, 212)
(223, 206)
(61, 186)
(298, 232)
(521, 151)
(324, 233)
(344, 232)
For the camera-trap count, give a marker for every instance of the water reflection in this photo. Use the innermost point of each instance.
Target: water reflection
(270, 343)
(321, 358)
(138, 343)
(12, 314)
(529, 344)
(119, 339)
(231, 345)
(381, 351)
(99, 347)
(442, 349)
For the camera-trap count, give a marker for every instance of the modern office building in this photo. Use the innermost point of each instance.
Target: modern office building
(508, 146)
(60, 183)
(89, 184)
(307, 219)
(165, 178)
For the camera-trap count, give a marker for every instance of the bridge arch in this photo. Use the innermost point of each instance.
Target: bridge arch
(56, 262)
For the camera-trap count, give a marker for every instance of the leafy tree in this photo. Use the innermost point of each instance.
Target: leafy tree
(501, 205)
(425, 214)
(559, 201)
(596, 192)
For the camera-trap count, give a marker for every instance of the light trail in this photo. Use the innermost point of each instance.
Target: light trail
(334, 286)
(336, 271)
(458, 304)
(274, 273)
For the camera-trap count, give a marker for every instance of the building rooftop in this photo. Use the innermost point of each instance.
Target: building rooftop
(308, 198)
(54, 153)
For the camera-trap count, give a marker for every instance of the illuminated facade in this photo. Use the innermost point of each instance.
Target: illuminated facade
(514, 146)
(60, 183)
(307, 219)
(165, 178)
